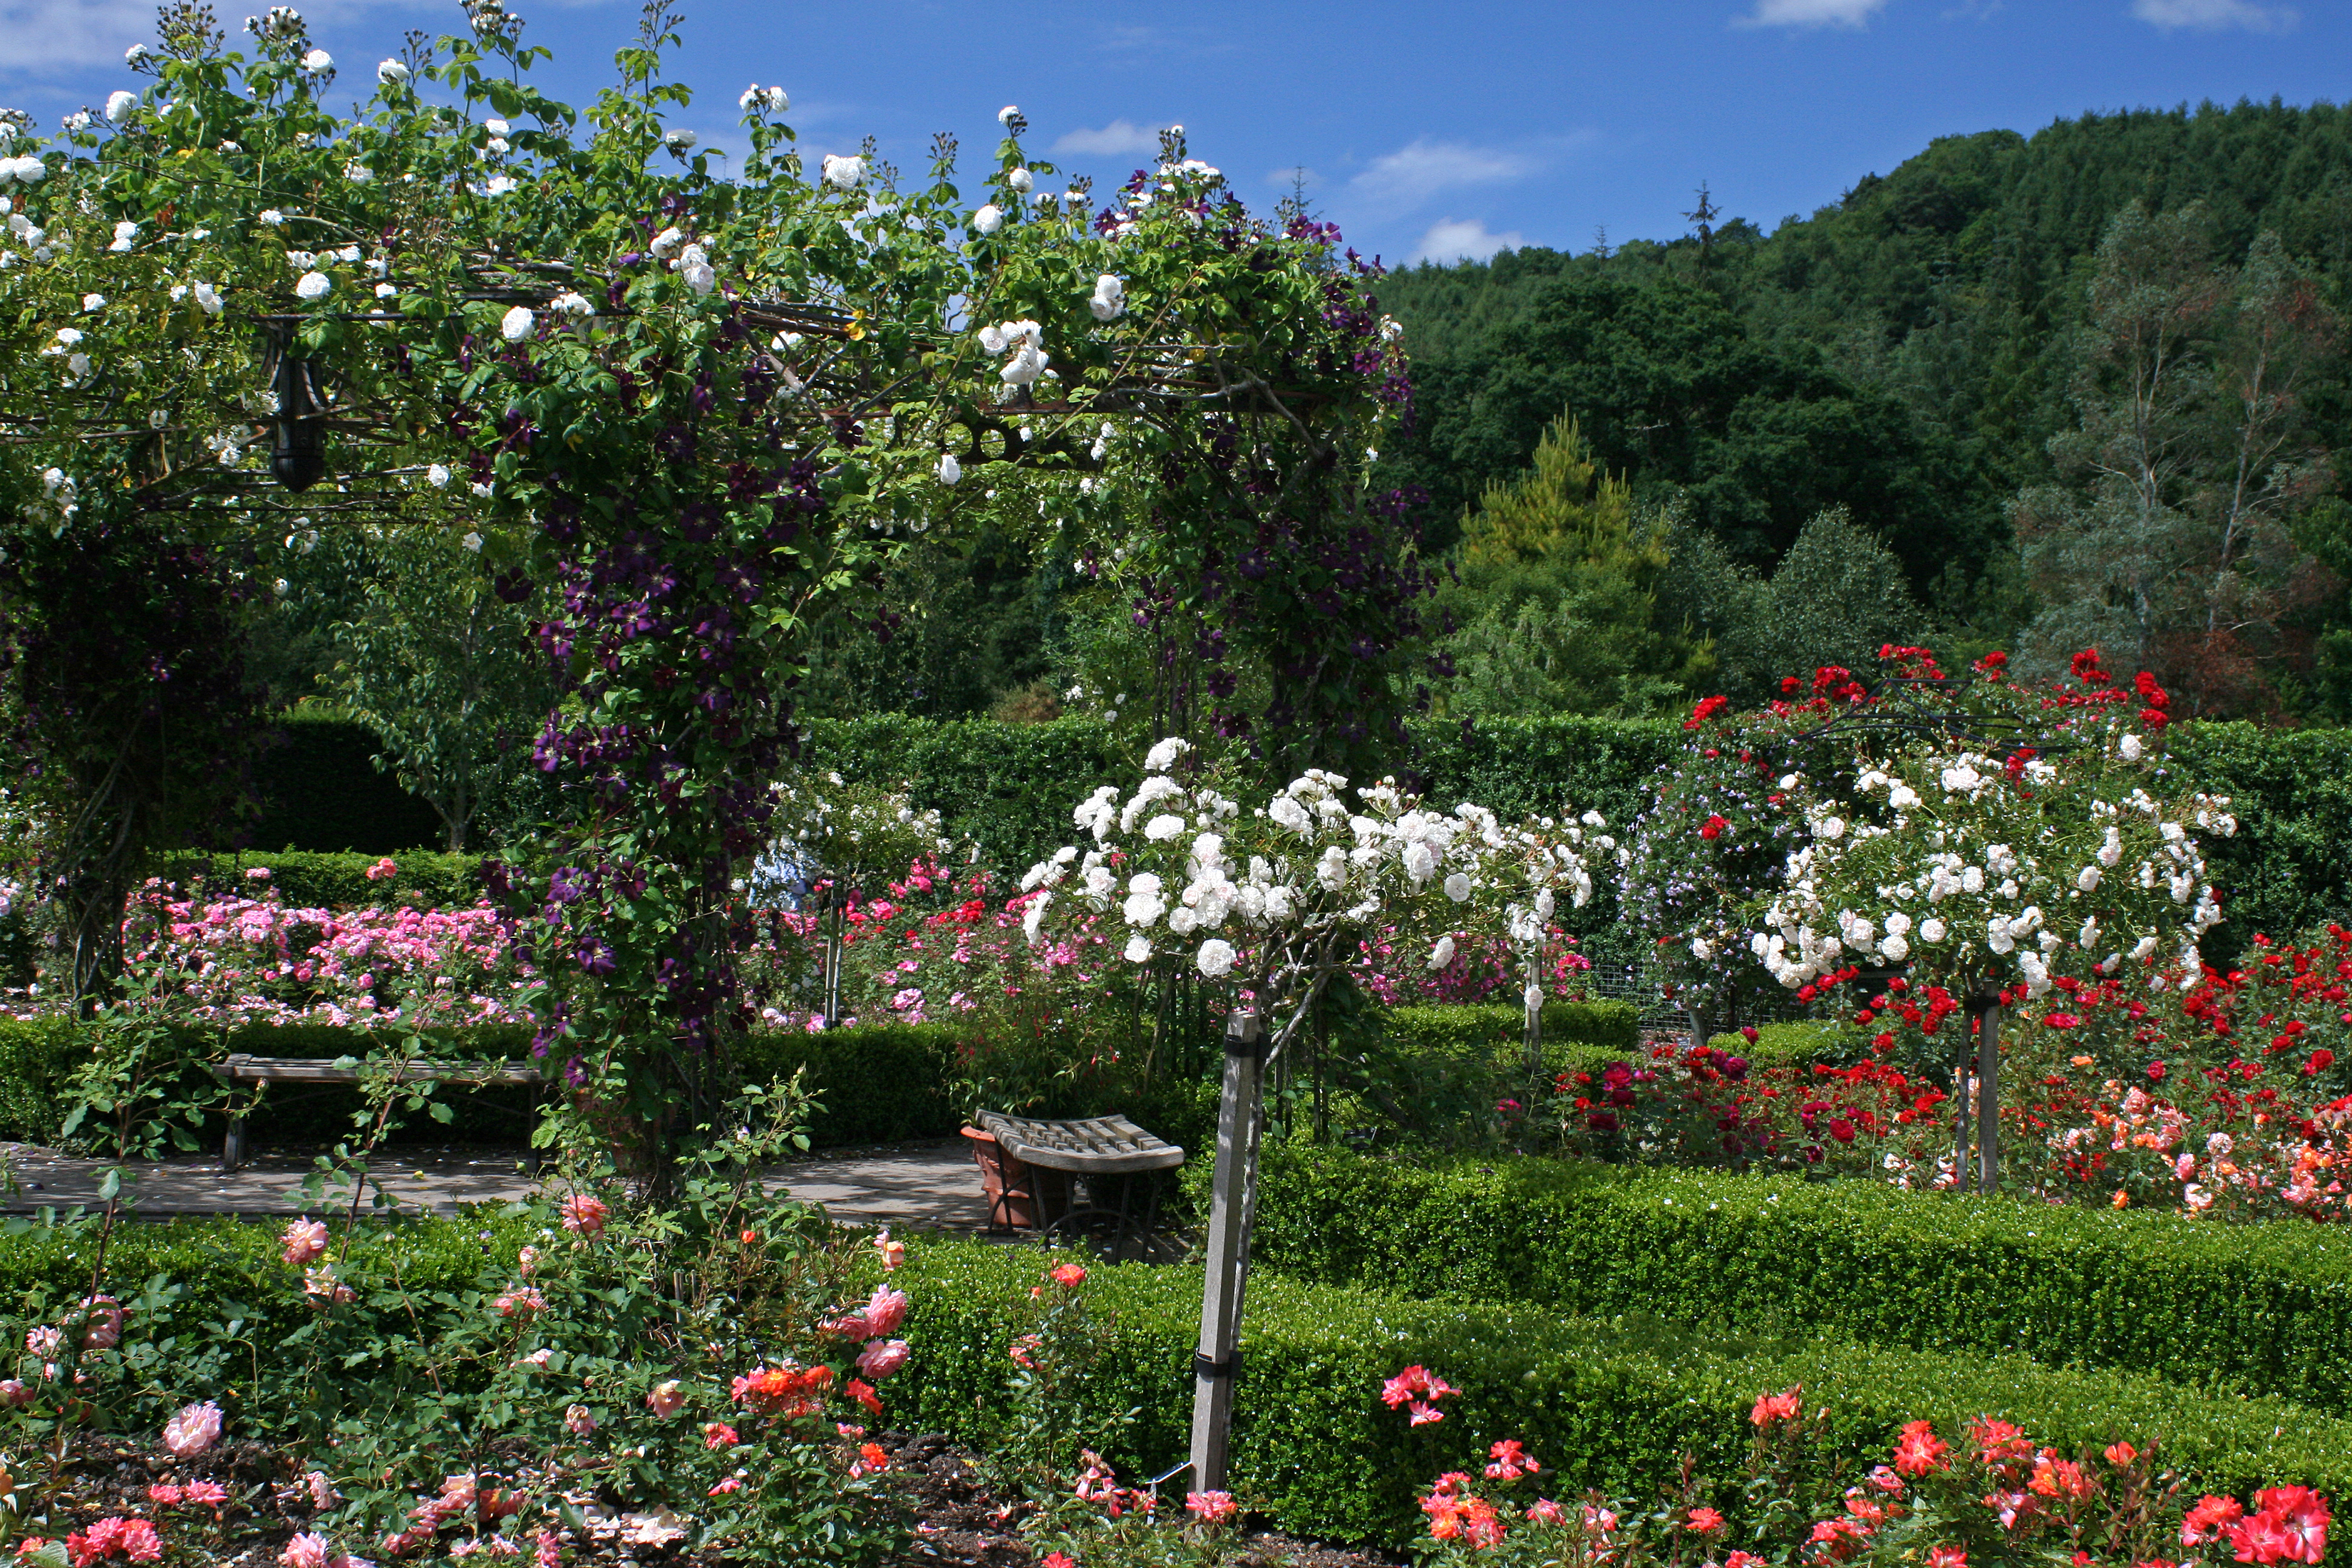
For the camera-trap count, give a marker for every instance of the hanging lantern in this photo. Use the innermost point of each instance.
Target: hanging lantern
(297, 446)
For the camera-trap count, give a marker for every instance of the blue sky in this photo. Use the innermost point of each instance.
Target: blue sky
(1423, 129)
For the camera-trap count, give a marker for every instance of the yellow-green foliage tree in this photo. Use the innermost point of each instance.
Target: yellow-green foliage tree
(1552, 599)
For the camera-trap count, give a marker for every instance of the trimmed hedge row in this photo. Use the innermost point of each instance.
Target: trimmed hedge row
(225, 1261)
(2268, 1307)
(319, 789)
(1011, 786)
(878, 1083)
(317, 880)
(1484, 1029)
(1602, 1404)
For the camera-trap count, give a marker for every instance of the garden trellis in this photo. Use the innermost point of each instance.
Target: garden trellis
(710, 414)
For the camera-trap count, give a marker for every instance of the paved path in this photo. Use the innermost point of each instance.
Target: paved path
(928, 1186)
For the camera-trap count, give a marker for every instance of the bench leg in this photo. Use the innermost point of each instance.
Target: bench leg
(233, 1146)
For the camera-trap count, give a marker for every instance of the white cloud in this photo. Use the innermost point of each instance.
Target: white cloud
(2210, 15)
(1118, 136)
(1464, 239)
(1400, 181)
(1812, 13)
(48, 36)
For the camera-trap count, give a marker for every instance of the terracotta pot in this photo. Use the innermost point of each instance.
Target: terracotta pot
(1021, 1195)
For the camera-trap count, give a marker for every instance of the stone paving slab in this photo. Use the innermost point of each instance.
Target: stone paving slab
(925, 1187)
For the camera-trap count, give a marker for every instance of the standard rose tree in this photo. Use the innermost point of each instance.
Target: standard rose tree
(2014, 842)
(1277, 899)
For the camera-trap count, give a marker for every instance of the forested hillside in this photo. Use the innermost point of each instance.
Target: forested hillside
(1998, 332)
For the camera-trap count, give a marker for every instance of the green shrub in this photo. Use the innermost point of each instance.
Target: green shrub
(1479, 1029)
(1804, 1044)
(876, 1083)
(1611, 1404)
(37, 1058)
(2267, 1307)
(314, 881)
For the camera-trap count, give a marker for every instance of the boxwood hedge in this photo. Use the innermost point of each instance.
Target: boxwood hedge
(1606, 1403)
(2267, 1307)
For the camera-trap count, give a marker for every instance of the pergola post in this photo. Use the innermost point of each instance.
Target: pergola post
(1215, 1363)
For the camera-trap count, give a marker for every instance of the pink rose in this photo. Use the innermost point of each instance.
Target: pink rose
(585, 1215)
(665, 1400)
(194, 1430)
(880, 1358)
(884, 1312)
(305, 1242)
(102, 1323)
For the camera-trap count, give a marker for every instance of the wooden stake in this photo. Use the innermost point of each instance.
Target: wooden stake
(1215, 1364)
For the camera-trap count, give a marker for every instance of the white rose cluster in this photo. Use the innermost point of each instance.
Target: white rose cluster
(1963, 866)
(1279, 891)
(1025, 341)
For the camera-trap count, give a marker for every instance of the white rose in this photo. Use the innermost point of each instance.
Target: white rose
(121, 105)
(472, 542)
(1163, 827)
(1110, 300)
(1931, 930)
(700, 276)
(844, 174)
(318, 62)
(1215, 958)
(390, 73)
(989, 219)
(313, 285)
(2088, 879)
(950, 470)
(1020, 180)
(1457, 886)
(1895, 949)
(681, 140)
(517, 324)
(1442, 954)
(437, 476)
(1833, 827)
(2128, 748)
(1139, 949)
(1162, 756)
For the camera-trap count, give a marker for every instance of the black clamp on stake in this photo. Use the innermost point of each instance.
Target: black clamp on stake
(1245, 1034)
(1212, 1370)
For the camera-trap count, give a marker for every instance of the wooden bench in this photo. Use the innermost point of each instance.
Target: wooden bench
(1095, 1147)
(247, 1071)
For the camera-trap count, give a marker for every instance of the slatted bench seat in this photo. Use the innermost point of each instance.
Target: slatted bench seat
(1097, 1147)
(243, 1070)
